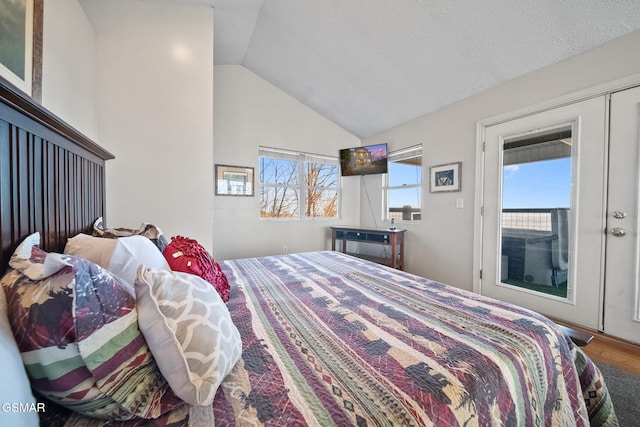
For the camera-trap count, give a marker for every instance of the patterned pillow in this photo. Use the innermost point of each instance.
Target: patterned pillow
(77, 331)
(189, 330)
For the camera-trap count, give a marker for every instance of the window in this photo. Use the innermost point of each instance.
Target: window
(296, 185)
(403, 189)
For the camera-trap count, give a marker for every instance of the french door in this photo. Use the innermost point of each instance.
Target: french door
(622, 277)
(560, 224)
(542, 237)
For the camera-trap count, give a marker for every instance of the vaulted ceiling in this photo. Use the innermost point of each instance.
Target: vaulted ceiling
(368, 65)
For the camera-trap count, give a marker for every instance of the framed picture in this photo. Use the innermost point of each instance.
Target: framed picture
(445, 177)
(16, 48)
(234, 180)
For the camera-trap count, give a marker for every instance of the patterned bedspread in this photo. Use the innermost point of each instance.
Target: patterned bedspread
(329, 339)
(332, 340)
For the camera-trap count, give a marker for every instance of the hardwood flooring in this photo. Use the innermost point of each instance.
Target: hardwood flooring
(611, 351)
(614, 352)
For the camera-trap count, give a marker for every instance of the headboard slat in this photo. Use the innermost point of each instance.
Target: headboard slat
(51, 176)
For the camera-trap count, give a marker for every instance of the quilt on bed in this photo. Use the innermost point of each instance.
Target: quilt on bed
(354, 343)
(329, 339)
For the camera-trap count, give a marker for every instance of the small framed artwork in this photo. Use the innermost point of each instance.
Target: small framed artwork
(234, 180)
(16, 48)
(445, 177)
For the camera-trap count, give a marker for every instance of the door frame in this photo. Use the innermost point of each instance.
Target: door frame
(604, 89)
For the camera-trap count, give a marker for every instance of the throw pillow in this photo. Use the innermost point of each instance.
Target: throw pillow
(189, 256)
(15, 383)
(121, 256)
(189, 330)
(77, 330)
(147, 230)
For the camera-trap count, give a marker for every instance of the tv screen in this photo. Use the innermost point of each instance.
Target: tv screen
(365, 160)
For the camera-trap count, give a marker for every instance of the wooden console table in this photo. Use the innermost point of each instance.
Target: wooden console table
(381, 236)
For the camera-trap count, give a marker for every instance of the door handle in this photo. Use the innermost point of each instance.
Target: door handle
(618, 231)
(619, 214)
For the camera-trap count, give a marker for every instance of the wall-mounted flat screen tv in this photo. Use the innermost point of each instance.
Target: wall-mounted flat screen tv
(364, 160)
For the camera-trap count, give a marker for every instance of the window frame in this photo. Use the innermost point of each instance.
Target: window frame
(395, 156)
(302, 159)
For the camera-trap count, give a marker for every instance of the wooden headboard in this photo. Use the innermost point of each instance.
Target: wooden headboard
(52, 178)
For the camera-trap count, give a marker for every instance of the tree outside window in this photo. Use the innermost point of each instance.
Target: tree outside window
(296, 185)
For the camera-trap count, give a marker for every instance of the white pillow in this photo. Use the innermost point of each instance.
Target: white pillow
(121, 256)
(189, 331)
(15, 383)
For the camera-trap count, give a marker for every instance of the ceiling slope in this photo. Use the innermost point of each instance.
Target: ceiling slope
(369, 65)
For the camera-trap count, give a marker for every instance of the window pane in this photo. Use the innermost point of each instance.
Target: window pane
(277, 171)
(321, 203)
(298, 185)
(279, 202)
(536, 208)
(322, 195)
(404, 203)
(404, 189)
(321, 175)
(404, 174)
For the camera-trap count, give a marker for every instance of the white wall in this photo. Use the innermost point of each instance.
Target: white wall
(155, 114)
(441, 245)
(69, 66)
(155, 109)
(250, 112)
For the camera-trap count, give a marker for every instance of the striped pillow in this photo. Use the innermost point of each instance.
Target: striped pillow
(77, 330)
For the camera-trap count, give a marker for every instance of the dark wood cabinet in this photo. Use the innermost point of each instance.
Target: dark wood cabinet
(392, 240)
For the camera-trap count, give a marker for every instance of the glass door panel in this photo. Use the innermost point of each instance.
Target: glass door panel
(543, 211)
(536, 193)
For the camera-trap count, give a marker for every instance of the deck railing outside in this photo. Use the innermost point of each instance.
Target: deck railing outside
(527, 219)
(405, 213)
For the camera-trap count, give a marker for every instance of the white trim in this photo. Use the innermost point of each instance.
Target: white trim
(478, 214)
(296, 156)
(405, 153)
(581, 95)
(605, 205)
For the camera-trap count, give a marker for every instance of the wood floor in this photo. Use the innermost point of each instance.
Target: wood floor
(611, 351)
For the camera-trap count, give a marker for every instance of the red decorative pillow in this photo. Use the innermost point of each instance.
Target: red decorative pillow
(189, 256)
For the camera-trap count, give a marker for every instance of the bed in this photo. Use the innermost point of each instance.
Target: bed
(377, 346)
(324, 338)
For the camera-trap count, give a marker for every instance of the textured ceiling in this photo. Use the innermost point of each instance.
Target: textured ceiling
(368, 65)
